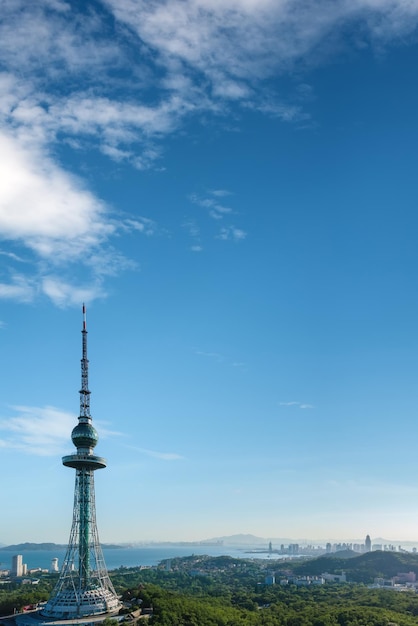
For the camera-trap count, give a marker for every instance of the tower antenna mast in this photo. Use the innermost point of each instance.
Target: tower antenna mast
(84, 391)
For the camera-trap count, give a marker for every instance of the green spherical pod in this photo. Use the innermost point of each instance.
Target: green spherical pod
(84, 436)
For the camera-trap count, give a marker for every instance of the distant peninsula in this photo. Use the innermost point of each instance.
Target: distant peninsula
(21, 547)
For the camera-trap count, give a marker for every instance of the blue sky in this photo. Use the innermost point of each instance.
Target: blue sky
(231, 188)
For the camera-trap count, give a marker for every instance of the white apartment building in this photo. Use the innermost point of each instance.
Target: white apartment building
(17, 565)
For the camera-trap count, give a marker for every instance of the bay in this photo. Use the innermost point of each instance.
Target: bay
(127, 557)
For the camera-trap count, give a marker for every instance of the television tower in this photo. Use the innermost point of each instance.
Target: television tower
(84, 587)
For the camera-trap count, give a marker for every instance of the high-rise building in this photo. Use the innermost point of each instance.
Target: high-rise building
(367, 544)
(17, 565)
(84, 587)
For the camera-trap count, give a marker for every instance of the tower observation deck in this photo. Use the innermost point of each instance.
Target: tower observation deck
(84, 587)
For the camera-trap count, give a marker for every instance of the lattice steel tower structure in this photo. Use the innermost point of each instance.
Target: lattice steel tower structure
(84, 587)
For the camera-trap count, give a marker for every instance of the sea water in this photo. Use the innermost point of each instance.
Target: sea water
(127, 557)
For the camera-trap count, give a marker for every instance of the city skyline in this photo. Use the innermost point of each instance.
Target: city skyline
(357, 543)
(231, 189)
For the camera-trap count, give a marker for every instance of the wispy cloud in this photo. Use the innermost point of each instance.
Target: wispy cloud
(142, 224)
(42, 431)
(105, 432)
(46, 208)
(210, 355)
(233, 46)
(220, 193)
(220, 358)
(228, 233)
(171, 61)
(60, 224)
(198, 56)
(217, 211)
(62, 293)
(19, 288)
(193, 230)
(162, 456)
(11, 255)
(300, 405)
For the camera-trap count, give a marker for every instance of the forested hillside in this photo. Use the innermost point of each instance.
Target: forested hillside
(363, 568)
(204, 591)
(229, 592)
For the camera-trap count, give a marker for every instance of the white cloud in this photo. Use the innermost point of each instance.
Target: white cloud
(199, 54)
(232, 233)
(220, 193)
(51, 213)
(142, 224)
(215, 210)
(235, 44)
(192, 228)
(86, 115)
(65, 41)
(43, 431)
(63, 74)
(163, 456)
(220, 358)
(19, 288)
(12, 255)
(211, 355)
(63, 294)
(193, 231)
(105, 432)
(44, 207)
(301, 405)
(219, 212)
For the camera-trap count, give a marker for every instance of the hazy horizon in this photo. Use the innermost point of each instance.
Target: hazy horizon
(243, 540)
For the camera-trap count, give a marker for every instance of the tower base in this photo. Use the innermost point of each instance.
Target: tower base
(69, 605)
(36, 618)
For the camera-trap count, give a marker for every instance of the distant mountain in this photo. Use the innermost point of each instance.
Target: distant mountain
(33, 546)
(240, 540)
(250, 540)
(253, 540)
(22, 547)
